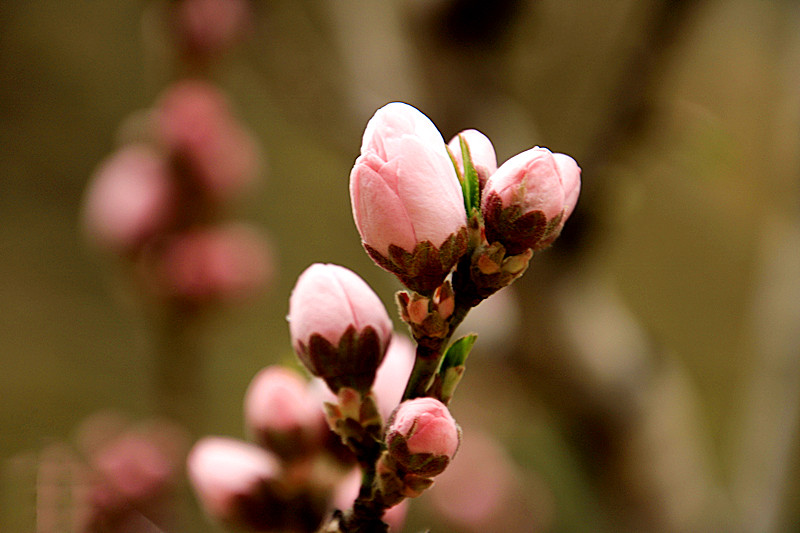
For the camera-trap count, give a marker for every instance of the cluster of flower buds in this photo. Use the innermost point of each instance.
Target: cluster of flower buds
(155, 200)
(451, 225)
(420, 205)
(284, 481)
(454, 228)
(118, 477)
(296, 471)
(342, 334)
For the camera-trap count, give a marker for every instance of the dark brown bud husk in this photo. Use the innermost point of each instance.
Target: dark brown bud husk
(424, 269)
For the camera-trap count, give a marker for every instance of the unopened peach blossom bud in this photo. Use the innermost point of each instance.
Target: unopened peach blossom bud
(339, 327)
(422, 436)
(229, 262)
(129, 200)
(282, 413)
(526, 202)
(195, 123)
(406, 198)
(481, 151)
(237, 483)
(207, 27)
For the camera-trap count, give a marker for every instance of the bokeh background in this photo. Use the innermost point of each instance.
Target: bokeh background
(643, 375)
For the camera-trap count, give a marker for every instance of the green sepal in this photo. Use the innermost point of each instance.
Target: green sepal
(470, 183)
(456, 354)
(452, 367)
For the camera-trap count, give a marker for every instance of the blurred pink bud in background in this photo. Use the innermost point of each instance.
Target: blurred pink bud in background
(227, 472)
(208, 27)
(327, 301)
(216, 263)
(346, 493)
(403, 188)
(195, 123)
(427, 427)
(392, 376)
(481, 151)
(481, 491)
(136, 467)
(283, 414)
(537, 186)
(129, 199)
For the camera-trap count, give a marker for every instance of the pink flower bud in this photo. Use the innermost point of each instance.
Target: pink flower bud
(282, 413)
(133, 466)
(481, 151)
(230, 475)
(392, 376)
(526, 202)
(208, 27)
(339, 327)
(422, 436)
(129, 199)
(195, 122)
(406, 198)
(222, 263)
(244, 486)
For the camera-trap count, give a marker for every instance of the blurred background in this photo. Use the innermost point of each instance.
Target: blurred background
(643, 375)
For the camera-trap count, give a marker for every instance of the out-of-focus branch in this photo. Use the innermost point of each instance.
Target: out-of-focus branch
(771, 413)
(629, 409)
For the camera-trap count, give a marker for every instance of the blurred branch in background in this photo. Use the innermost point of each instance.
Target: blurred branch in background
(768, 430)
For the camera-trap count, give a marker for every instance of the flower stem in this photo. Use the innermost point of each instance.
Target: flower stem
(179, 368)
(429, 355)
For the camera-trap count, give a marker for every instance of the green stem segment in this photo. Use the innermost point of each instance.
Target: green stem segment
(429, 356)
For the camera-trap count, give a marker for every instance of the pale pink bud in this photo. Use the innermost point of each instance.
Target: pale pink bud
(392, 376)
(339, 327)
(221, 263)
(230, 476)
(194, 121)
(570, 180)
(481, 151)
(283, 414)
(423, 436)
(526, 202)
(405, 193)
(129, 199)
(210, 26)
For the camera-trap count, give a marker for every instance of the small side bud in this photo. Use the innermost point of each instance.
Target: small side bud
(526, 202)
(481, 150)
(282, 414)
(422, 436)
(428, 317)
